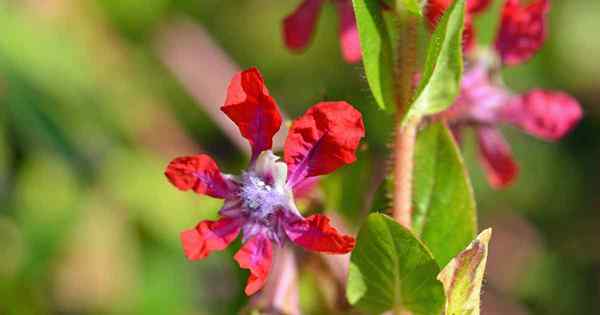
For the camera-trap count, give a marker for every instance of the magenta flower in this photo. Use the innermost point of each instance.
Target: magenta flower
(485, 103)
(260, 202)
(299, 26)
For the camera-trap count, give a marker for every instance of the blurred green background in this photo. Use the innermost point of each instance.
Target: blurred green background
(91, 111)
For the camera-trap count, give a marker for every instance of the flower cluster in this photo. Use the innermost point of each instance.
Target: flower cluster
(259, 203)
(299, 26)
(485, 102)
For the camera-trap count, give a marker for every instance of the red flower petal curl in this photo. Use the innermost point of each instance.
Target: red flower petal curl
(545, 114)
(256, 255)
(323, 139)
(299, 26)
(199, 173)
(316, 234)
(209, 236)
(349, 39)
(522, 30)
(496, 158)
(252, 109)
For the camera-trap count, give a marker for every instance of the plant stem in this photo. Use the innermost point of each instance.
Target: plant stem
(403, 168)
(404, 143)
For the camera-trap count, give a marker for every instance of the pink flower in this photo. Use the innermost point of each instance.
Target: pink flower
(259, 203)
(485, 103)
(299, 26)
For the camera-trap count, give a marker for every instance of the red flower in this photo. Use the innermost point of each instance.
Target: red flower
(522, 28)
(485, 103)
(299, 26)
(260, 202)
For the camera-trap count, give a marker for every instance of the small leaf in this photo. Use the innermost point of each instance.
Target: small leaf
(440, 83)
(444, 212)
(376, 51)
(463, 277)
(391, 269)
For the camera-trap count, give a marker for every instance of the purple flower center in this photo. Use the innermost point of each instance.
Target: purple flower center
(260, 198)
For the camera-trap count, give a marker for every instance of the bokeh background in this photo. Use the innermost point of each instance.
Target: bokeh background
(97, 96)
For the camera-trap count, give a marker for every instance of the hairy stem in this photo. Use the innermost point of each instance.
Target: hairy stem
(403, 169)
(404, 143)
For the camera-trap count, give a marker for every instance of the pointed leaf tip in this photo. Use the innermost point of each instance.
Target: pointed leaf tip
(463, 277)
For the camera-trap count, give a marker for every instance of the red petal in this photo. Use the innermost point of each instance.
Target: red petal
(348, 32)
(306, 187)
(299, 26)
(200, 173)
(252, 109)
(496, 158)
(522, 30)
(316, 234)
(546, 114)
(256, 254)
(323, 139)
(209, 236)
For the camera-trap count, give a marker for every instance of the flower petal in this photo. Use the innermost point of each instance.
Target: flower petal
(209, 236)
(545, 114)
(252, 109)
(316, 234)
(522, 30)
(323, 139)
(304, 188)
(300, 25)
(201, 174)
(496, 157)
(256, 254)
(348, 32)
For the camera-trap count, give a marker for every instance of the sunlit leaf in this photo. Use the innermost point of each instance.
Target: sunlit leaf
(440, 83)
(463, 277)
(444, 213)
(391, 269)
(376, 50)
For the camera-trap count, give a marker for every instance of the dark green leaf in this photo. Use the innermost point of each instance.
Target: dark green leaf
(463, 277)
(376, 50)
(440, 83)
(444, 212)
(391, 269)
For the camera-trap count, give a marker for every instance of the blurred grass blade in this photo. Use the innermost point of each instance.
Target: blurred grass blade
(391, 269)
(463, 277)
(444, 211)
(440, 83)
(376, 50)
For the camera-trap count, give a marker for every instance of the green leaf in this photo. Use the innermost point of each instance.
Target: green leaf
(412, 6)
(376, 49)
(444, 212)
(440, 83)
(463, 276)
(391, 269)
